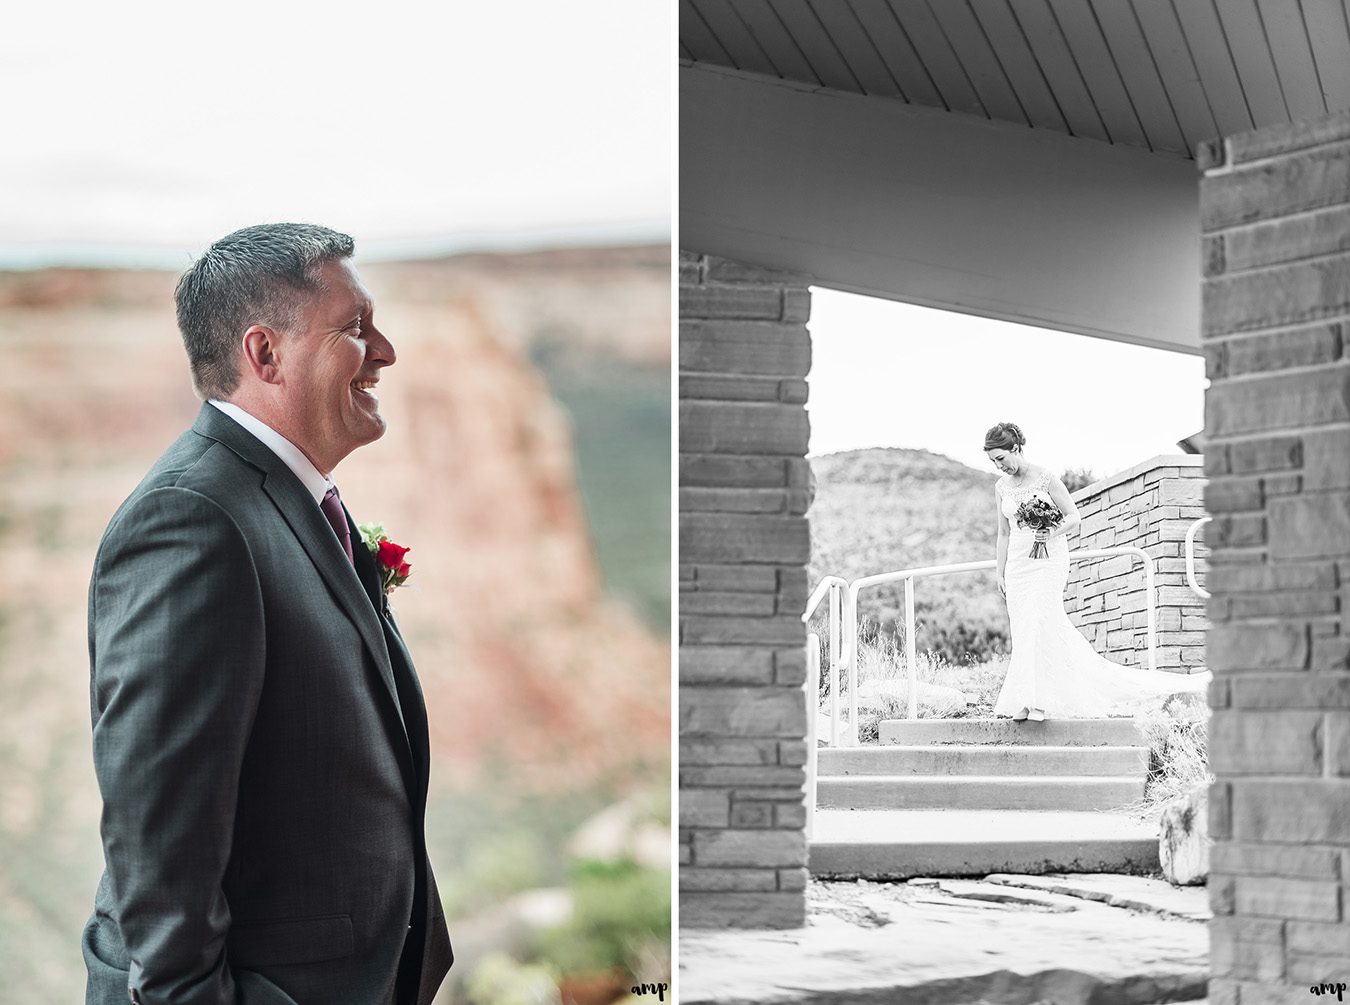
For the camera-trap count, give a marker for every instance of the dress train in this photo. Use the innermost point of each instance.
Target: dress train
(1052, 666)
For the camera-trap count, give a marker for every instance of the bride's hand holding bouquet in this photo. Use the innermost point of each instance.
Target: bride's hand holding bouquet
(1041, 516)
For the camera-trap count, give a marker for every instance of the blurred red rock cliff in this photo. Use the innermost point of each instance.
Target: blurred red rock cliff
(526, 663)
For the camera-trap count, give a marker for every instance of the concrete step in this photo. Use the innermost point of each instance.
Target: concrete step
(902, 844)
(976, 792)
(1050, 733)
(982, 759)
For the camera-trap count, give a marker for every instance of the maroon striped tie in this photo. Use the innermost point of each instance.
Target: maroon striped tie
(332, 508)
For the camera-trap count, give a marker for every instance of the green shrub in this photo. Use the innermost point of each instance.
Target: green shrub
(620, 909)
(499, 979)
(1077, 478)
(512, 861)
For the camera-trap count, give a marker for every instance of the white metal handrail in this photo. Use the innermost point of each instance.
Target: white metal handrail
(1191, 581)
(812, 697)
(908, 575)
(821, 589)
(835, 587)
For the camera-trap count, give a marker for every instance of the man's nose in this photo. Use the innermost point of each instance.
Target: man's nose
(380, 349)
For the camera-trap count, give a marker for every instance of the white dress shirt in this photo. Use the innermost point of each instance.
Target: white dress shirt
(290, 454)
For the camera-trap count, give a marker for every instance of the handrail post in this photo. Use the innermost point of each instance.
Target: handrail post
(910, 657)
(835, 630)
(831, 585)
(812, 711)
(836, 622)
(851, 634)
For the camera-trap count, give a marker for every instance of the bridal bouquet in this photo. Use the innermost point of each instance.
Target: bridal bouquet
(1039, 514)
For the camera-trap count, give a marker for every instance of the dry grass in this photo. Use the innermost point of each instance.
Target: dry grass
(1177, 736)
(883, 662)
(980, 681)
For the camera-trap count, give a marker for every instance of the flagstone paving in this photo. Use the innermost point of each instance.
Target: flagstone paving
(1030, 940)
(1138, 893)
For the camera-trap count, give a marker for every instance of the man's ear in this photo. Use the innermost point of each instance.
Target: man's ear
(261, 345)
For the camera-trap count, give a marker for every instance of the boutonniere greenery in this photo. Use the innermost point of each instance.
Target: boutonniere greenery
(390, 558)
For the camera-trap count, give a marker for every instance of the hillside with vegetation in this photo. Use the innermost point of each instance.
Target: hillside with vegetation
(886, 509)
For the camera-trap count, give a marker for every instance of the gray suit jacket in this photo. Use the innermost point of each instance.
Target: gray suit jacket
(261, 746)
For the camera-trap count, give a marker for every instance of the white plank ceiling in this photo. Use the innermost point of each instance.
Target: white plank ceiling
(1165, 75)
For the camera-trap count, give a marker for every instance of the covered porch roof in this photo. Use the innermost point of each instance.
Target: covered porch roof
(1029, 160)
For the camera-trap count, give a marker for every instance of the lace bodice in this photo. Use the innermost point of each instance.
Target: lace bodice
(1010, 498)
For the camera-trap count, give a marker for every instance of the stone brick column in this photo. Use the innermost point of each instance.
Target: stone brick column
(744, 544)
(1275, 213)
(1150, 506)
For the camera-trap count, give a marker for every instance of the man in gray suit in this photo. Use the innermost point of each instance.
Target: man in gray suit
(260, 738)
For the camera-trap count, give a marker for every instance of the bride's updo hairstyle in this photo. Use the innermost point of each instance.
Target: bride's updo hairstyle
(1004, 436)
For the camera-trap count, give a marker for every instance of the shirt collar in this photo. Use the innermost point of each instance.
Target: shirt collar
(291, 455)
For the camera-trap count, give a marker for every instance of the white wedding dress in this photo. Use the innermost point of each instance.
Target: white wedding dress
(1052, 666)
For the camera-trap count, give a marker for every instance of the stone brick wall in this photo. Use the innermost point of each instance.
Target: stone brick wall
(744, 482)
(1275, 213)
(1149, 506)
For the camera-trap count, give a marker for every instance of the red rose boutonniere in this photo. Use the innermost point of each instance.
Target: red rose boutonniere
(389, 557)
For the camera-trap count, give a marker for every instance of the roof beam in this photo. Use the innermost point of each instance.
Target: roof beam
(941, 209)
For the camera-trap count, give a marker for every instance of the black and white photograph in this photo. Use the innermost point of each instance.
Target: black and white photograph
(1014, 501)
(334, 504)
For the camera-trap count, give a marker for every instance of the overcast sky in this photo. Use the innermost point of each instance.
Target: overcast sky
(891, 375)
(158, 125)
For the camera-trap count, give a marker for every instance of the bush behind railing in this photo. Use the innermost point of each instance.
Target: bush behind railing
(1177, 736)
(883, 660)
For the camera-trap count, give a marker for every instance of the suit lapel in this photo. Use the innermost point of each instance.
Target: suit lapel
(311, 528)
(411, 702)
(367, 571)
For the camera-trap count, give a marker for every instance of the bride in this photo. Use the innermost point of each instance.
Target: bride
(1053, 670)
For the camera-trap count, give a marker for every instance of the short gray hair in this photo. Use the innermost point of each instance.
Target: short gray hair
(251, 276)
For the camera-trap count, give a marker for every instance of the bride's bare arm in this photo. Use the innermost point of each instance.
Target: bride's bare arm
(1059, 495)
(1002, 550)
